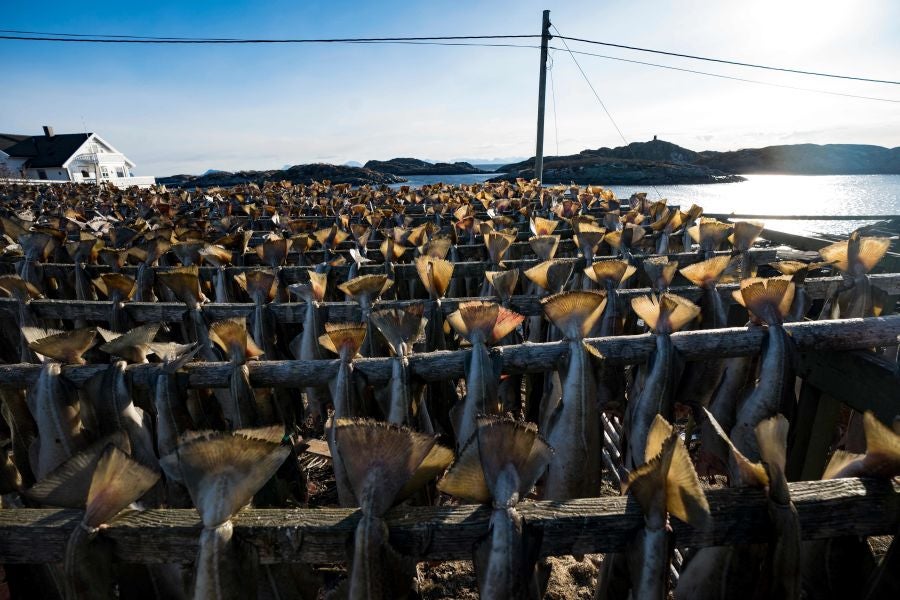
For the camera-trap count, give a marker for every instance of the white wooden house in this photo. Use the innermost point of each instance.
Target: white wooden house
(78, 157)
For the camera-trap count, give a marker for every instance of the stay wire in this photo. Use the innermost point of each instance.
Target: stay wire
(553, 96)
(730, 62)
(597, 96)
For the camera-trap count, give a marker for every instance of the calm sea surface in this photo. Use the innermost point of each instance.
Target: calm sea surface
(769, 194)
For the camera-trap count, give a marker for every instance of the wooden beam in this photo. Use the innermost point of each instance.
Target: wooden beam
(862, 380)
(833, 508)
(843, 334)
(293, 312)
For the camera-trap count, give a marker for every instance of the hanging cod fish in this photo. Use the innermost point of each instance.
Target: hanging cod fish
(855, 257)
(665, 315)
(222, 471)
(482, 324)
(573, 421)
(499, 466)
(365, 291)
(246, 409)
(384, 464)
(306, 345)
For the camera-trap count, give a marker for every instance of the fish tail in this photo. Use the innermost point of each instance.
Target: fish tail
(772, 436)
(66, 347)
(544, 246)
(575, 313)
(117, 481)
(259, 284)
(435, 273)
(745, 233)
(379, 459)
(504, 282)
(768, 299)
(340, 336)
(401, 327)
(231, 336)
(503, 442)
(706, 272)
(184, 283)
(497, 245)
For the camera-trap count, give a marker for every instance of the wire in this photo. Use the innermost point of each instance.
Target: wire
(597, 96)
(730, 62)
(733, 78)
(553, 96)
(173, 40)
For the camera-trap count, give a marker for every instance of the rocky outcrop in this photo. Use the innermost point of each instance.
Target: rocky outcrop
(659, 162)
(807, 159)
(297, 174)
(414, 166)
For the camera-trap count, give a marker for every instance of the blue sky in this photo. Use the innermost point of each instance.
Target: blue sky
(176, 109)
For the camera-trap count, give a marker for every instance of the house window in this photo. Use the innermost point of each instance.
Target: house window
(85, 174)
(104, 171)
(42, 174)
(120, 172)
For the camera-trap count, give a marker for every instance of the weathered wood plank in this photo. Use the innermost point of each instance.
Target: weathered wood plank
(843, 334)
(826, 509)
(293, 312)
(861, 380)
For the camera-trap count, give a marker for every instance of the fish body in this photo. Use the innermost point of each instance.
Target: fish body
(481, 392)
(655, 398)
(56, 415)
(574, 431)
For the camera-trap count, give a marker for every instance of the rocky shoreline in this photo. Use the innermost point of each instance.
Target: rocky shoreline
(611, 171)
(304, 174)
(414, 167)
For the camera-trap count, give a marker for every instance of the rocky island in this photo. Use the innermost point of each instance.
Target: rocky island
(296, 174)
(658, 162)
(414, 166)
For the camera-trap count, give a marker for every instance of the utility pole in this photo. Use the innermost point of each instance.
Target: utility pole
(542, 89)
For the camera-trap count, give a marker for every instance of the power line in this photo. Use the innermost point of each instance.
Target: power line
(729, 62)
(162, 40)
(428, 41)
(597, 96)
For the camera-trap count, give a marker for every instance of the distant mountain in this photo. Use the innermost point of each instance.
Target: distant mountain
(414, 166)
(353, 163)
(659, 162)
(213, 171)
(296, 174)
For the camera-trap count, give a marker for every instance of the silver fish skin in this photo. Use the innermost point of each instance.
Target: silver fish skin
(574, 432)
(765, 399)
(655, 398)
(341, 391)
(221, 286)
(401, 392)
(216, 572)
(88, 567)
(316, 397)
(56, 415)
(648, 560)
(130, 418)
(367, 575)
(481, 392)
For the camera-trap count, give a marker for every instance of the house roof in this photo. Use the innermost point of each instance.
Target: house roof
(43, 151)
(10, 139)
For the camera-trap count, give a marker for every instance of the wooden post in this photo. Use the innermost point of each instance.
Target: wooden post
(542, 90)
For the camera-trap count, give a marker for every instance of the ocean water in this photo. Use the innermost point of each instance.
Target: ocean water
(770, 195)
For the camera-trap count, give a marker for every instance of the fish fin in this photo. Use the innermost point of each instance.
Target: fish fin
(871, 251)
(838, 462)
(216, 255)
(67, 486)
(551, 275)
(772, 435)
(66, 347)
(438, 247)
(139, 337)
(497, 244)
(260, 283)
(707, 271)
(465, 478)
(769, 299)
(435, 274)
(684, 498)
(647, 483)
(678, 312)
(366, 285)
(503, 441)
(273, 251)
(117, 282)
(174, 356)
(437, 461)
(660, 268)
(475, 316)
(379, 458)
(505, 323)
(593, 351)
(836, 254)
(17, 287)
(401, 327)
(231, 336)
(612, 271)
(541, 226)
(118, 480)
(713, 231)
(575, 313)
(224, 469)
(749, 473)
(318, 282)
(184, 283)
(648, 309)
(504, 282)
(745, 233)
(339, 335)
(544, 246)
(882, 448)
